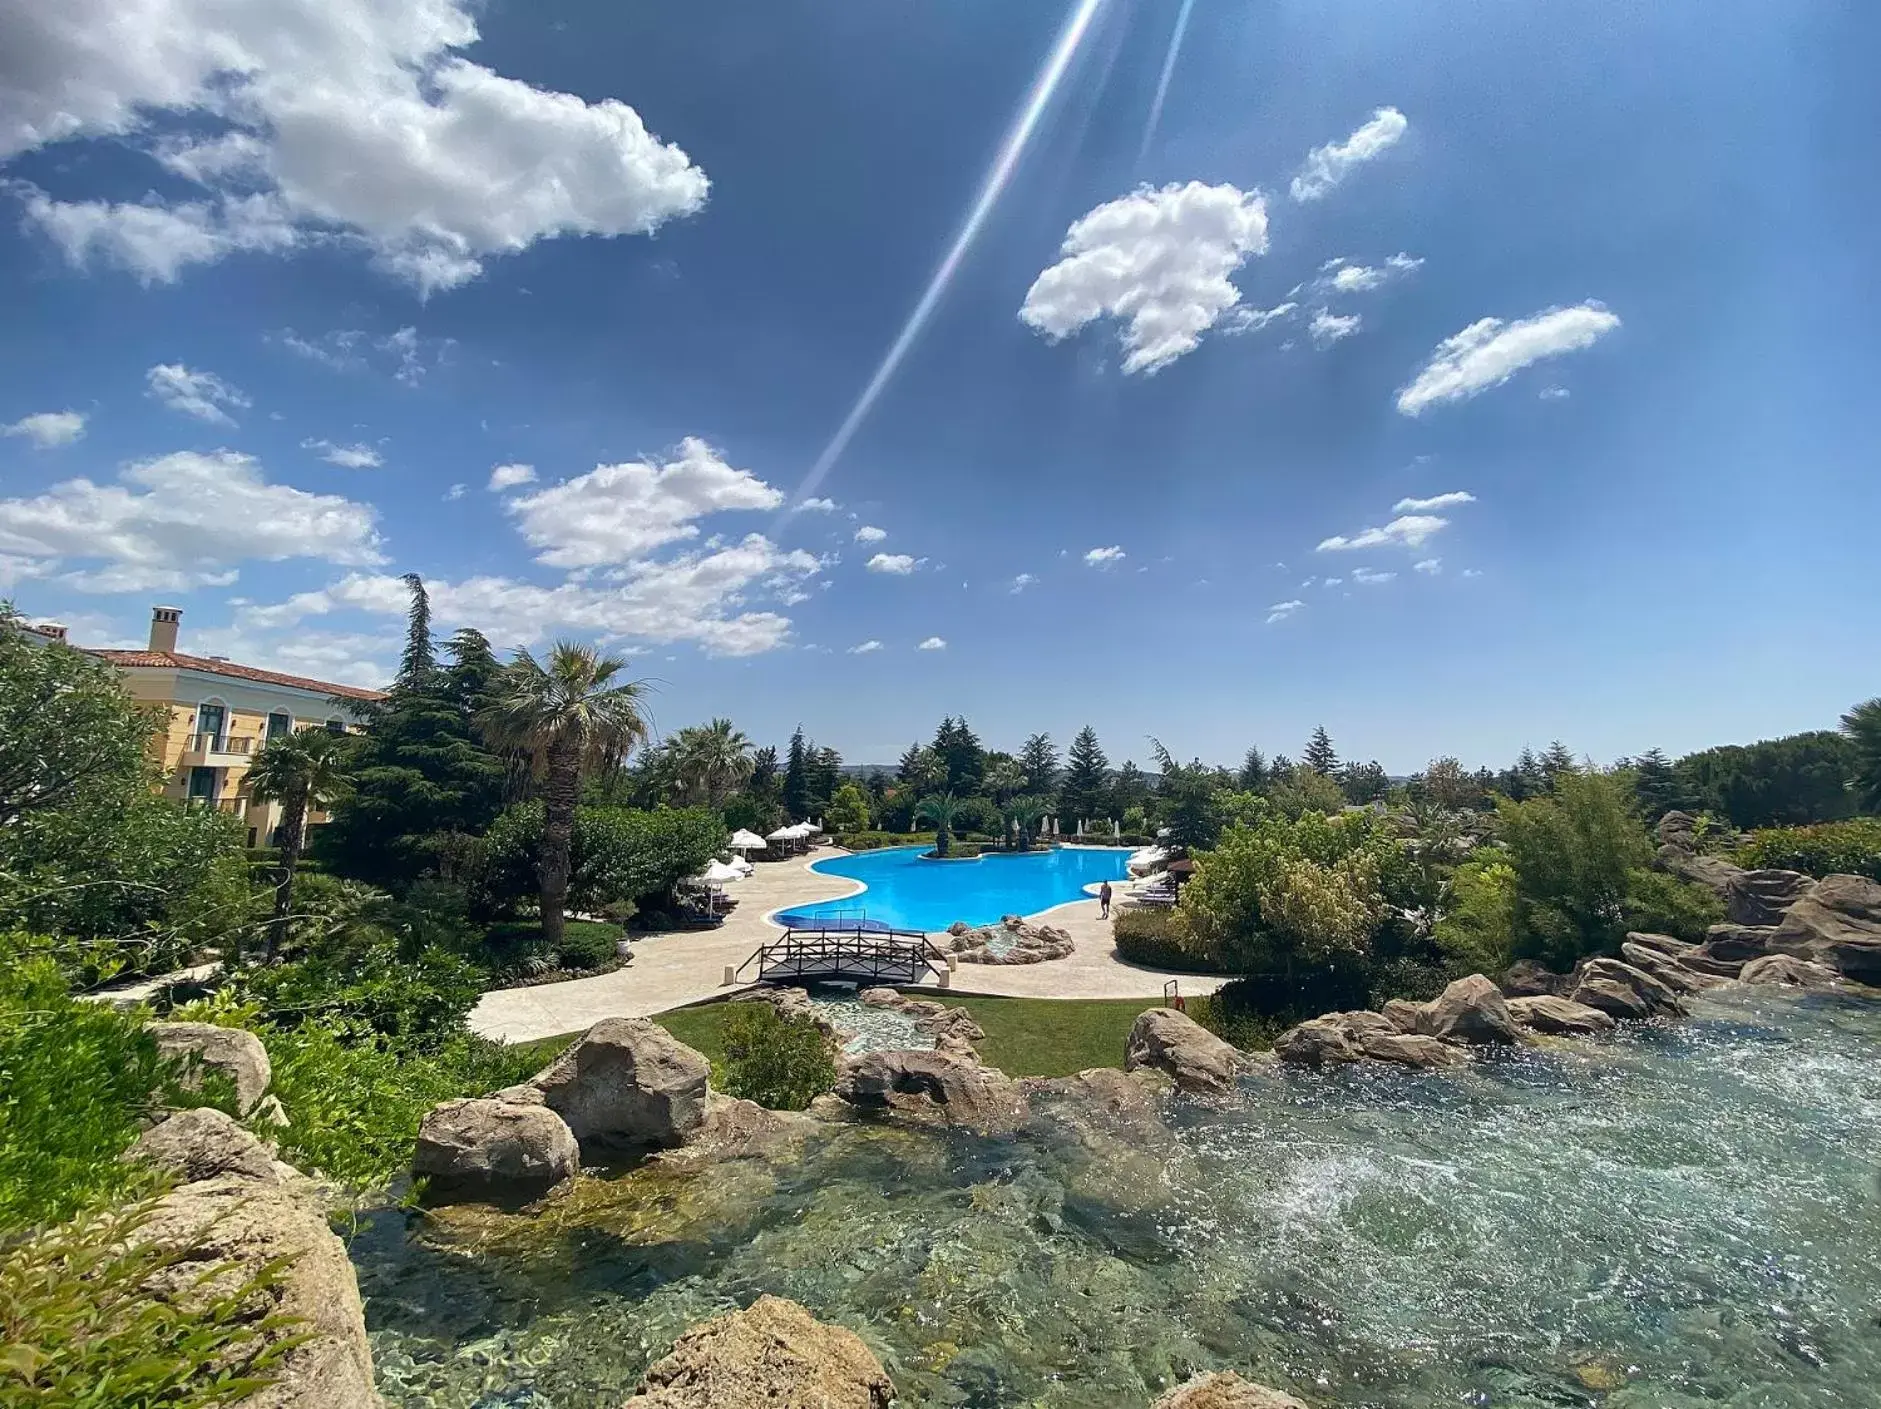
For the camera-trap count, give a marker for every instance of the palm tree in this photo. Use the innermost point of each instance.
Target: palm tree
(1027, 812)
(303, 771)
(938, 811)
(1004, 778)
(1862, 724)
(564, 717)
(714, 760)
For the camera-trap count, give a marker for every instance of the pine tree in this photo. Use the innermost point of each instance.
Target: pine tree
(1656, 788)
(961, 755)
(1253, 775)
(797, 778)
(1040, 760)
(1320, 755)
(1086, 776)
(1131, 789)
(825, 769)
(1556, 761)
(418, 662)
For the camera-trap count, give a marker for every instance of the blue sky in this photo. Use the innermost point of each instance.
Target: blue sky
(283, 292)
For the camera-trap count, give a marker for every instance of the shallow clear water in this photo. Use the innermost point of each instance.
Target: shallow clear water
(909, 892)
(1675, 1218)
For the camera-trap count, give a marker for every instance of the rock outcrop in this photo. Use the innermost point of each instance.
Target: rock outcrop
(1837, 924)
(794, 1004)
(238, 1206)
(1165, 1040)
(1471, 1010)
(1335, 1038)
(1673, 973)
(772, 1355)
(1787, 969)
(627, 1083)
(1528, 978)
(233, 1052)
(495, 1147)
(1679, 855)
(1761, 897)
(1622, 991)
(932, 1087)
(1560, 1017)
(1225, 1390)
(1012, 941)
(953, 1029)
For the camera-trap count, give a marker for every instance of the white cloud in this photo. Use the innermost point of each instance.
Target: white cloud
(1104, 557)
(1252, 320)
(1488, 352)
(347, 457)
(1554, 393)
(456, 491)
(1344, 277)
(1366, 577)
(1328, 327)
(1409, 530)
(1327, 166)
(203, 395)
(1436, 501)
(866, 648)
(349, 121)
(1021, 582)
(933, 643)
(615, 512)
(818, 506)
(1430, 567)
(185, 520)
(405, 355)
(1471, 572)
(47, 429)
(896, 564)
(509, 476)
(1333, 582)
(1280, 611)
(869, 533)
(1158, 262)
(1356, 279)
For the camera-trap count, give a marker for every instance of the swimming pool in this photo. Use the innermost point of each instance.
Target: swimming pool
(906, 892)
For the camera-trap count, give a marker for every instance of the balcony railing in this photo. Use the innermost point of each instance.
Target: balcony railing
(238, 745)
(238, 806)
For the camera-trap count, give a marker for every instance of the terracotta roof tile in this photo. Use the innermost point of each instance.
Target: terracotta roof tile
(177, 660)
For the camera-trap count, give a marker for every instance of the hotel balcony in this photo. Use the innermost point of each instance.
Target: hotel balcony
(219, 750)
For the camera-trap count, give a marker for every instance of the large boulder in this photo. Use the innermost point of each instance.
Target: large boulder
(1735, 944)
(1526, 978)
(1761, 897)
(937, 1086)
(628, 1082)
(1664, 944)
(1622, 991)
(1787, 969)
(1470, 1010)
(1335, 1038)
(1225, 1390)
(1165, 1040)
(1012, 941)
(1838, 924)
(772, 1355)
(251, 1213)
(1673, 973)
(1561, 1017)
(953, 1029)
(200, 1048)
(1679, 855)
(496, 1147)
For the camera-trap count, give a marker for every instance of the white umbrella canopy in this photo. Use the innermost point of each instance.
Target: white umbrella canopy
(802, 829)
(720, 872)
(743, 840)
(785, 834)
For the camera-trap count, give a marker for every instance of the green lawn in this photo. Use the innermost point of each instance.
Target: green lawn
(1024, 1036)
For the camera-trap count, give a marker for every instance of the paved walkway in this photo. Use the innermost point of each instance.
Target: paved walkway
(673, 969)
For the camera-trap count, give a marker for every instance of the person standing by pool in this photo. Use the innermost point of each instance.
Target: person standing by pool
(1103, 901)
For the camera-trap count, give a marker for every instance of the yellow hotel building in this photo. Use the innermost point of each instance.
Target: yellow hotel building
(221, 714)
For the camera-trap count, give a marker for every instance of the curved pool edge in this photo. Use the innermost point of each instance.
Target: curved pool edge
(770, 916)
(861, 887)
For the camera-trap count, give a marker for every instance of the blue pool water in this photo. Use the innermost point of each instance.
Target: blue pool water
(905, 892)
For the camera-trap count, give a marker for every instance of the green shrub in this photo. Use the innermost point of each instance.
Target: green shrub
(1153, 938)
(1662, 904)
(587, 944)
(1419, 980)
(364, 988)
(875, 841)
(1826, 849)
(1476, 932)
(619, 855)
(782, 1063)
(82, 1330)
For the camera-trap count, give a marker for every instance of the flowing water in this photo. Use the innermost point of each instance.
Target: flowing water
(1678, 1217)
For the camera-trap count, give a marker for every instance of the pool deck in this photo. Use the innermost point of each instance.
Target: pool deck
(673, 969)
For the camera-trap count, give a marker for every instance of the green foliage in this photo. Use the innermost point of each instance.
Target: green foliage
(848, 810)
(1319, 754)
(783, 1063)
(1186, 801)
(875, 841)
(1295, 792)
(1085, 789)
(1656, 789)
(1827, 849)
(1862, 726)
(587, 945)
(1774, 783)
(939, 811)
(1363, 782)
(619, 855)
(1154, 938)
(82, 1328)
(1476, 933)
(962, 760)
(1574, 855)
(1039, 759)
(1660, 904)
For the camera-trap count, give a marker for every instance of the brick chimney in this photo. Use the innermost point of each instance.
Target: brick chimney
(163, 624)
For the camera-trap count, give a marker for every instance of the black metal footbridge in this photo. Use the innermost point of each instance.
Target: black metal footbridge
(843, 952)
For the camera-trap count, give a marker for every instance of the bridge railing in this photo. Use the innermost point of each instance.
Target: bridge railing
(900, 956)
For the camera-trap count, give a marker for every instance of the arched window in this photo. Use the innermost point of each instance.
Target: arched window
(280, 723)
(336, 726)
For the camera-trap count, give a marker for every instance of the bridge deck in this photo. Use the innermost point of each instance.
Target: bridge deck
(846, 956)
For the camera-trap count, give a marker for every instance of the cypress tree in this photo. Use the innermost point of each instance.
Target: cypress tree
(1320, 755)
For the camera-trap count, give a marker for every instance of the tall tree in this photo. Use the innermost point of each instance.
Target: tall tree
(961, 755)
(1130, 789)
(420, 661)
(938, 810)
(711, 761)
(1862, 724)
(567, 715)
(1559, 759)
(826, 770)
(1040, 760)
(1320, 756)
(1253, 775)
(304, 770)
(1004, 778)
(1087, 776)
(1656, 788)
(1364, 782)
(1185, 801)
(797, 777)
(1774, 782)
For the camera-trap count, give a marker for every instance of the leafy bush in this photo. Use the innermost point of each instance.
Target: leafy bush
(875, 841)
(1827, 849)
(366, 987)
(1774, 782)
(1662, 904)
(1574, 855)
(782, 1063)
(82, 1330)
(1154, 939)
(1476, 933)
(619, 855)
(587, 944)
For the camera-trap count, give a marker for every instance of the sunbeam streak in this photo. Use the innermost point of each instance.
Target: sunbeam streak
(1162, 83)
(1017, 138)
